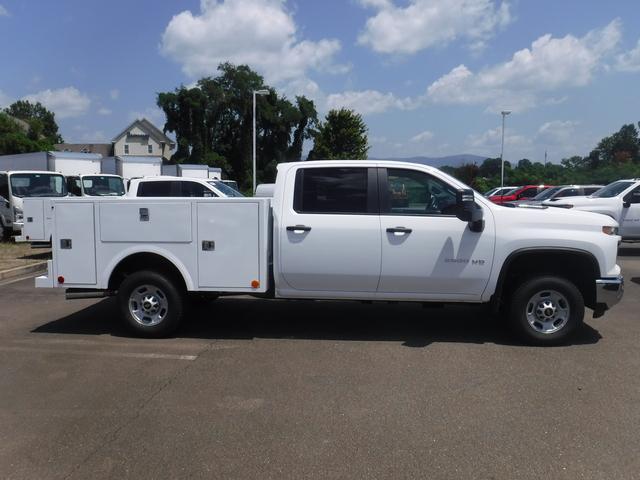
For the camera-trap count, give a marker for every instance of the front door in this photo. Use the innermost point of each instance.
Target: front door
(630, 218)
(330, 239)
(427, 252)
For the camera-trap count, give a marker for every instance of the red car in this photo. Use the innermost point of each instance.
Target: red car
(521, 193)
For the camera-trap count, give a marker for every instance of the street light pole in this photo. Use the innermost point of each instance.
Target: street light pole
(504, 114)
(255, 92)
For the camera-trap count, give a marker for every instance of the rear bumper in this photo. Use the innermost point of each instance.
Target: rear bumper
(609, 291)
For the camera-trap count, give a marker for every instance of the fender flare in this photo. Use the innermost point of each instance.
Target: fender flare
(151, 249)
(497, 294)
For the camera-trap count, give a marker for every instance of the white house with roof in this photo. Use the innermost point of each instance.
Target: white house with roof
(143, 139)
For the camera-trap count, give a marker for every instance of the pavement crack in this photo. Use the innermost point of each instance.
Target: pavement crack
(112, 435)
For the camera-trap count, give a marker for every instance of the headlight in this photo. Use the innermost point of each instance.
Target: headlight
(610, 230)
(17, 212)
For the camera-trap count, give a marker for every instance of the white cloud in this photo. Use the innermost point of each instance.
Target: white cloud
(154, 114)
(104, 111)
(516, 145)
(3, 11)
(367, 102)
(550, 64)
(64, 102)
(557, 132)
(259, 33)
(114, 94)
(423, 137)
(629, 61)
(422, 24)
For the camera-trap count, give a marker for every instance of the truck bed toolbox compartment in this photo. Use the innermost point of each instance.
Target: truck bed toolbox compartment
(122, 221)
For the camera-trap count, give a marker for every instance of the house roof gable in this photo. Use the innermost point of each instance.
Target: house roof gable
(146, 126)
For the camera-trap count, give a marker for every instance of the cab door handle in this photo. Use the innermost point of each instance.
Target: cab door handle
(399, 230)
(298, 228)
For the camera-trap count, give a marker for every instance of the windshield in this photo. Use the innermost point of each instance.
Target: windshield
(613, 189)
(225, 189)
(546, 194)
(38, 185)
(103, 186)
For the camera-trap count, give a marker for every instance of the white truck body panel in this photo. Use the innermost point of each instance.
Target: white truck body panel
(75, 166)
(134, 167)
(104, 231)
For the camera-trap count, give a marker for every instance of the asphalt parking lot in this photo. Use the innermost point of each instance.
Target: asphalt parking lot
(258, 389)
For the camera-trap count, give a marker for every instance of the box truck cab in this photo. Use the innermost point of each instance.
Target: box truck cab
(16, 186)
(103, 185)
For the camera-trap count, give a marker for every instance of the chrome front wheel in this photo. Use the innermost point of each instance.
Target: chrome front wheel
(548, 311)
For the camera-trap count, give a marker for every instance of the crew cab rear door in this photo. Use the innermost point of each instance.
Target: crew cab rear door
(427, 252)
(330, 236)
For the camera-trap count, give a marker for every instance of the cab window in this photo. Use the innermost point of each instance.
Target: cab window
(4, 186)
(412, 192)
(332, 190)
(529, 193)
(195, 189)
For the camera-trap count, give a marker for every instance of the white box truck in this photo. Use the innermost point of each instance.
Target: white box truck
(71, 163)
(129, 166)
(351, 230)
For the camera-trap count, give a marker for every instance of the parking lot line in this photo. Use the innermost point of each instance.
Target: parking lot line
(155, 356)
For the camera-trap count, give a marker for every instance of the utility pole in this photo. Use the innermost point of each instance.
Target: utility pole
(255, 92)
(504, 114)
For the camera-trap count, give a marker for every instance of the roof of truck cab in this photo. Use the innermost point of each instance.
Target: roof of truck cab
(11, 172)
(97, 175)
(159, 178)
(357, 163)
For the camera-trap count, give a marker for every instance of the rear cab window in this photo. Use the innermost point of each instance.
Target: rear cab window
(336, 190)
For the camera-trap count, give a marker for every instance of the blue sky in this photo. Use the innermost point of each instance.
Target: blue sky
(429, 76)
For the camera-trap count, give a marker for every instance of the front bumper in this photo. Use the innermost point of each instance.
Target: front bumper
(609, 291)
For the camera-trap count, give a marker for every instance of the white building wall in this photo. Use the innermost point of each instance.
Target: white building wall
(138, 145)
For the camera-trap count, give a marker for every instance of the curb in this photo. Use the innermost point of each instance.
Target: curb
(24, 270)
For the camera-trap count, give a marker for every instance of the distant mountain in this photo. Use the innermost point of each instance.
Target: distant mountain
(451, 160)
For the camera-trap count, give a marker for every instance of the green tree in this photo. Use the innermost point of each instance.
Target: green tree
(213, 123)
(14, 139)
(42, 122)
(342, 135)
(622, 146)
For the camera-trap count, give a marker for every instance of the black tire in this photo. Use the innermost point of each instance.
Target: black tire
(7, 233)
(161, 292)
(564, 315)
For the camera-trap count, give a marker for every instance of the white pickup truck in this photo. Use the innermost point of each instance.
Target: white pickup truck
(619, 200)
(352, 230)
